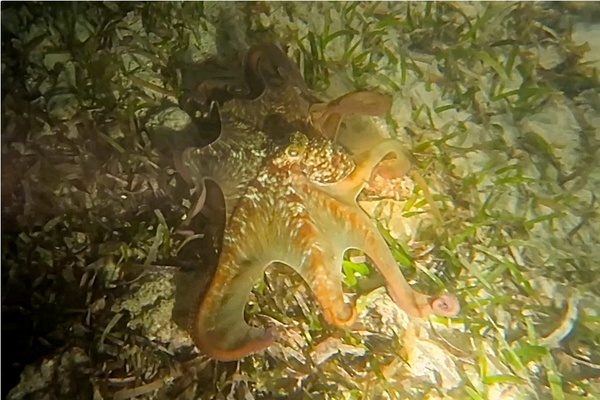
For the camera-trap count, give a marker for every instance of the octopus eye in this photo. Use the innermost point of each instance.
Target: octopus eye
(293, 151)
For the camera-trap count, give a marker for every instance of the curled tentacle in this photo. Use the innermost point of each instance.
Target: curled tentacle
(445, 305)
(217, 324)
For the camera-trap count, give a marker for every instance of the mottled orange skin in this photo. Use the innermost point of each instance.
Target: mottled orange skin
(292, 203)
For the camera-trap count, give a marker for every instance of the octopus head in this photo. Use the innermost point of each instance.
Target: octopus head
(320, 160)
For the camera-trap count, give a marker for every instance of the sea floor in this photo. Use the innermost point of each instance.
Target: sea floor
(498, 103)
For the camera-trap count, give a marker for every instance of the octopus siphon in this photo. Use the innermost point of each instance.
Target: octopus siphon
(290, 193)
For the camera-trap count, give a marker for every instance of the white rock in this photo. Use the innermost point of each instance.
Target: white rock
(585, 32)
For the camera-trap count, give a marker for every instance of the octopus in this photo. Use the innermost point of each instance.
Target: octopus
(290, 197)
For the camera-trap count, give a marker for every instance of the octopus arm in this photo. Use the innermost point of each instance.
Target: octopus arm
(318, 261)
(348, 189)
(354, 229)
(230, 167)
(414, 303)
(327, 116)
(268, 64)
(218, 325)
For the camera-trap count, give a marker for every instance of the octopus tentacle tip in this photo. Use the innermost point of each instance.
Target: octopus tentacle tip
(271, 333)
(347, 318)
(213, 350)
(445, 305)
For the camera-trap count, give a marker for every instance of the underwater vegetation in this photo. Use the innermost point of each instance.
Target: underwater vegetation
(452, 147)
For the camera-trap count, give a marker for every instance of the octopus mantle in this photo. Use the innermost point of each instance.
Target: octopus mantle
(290, 195)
